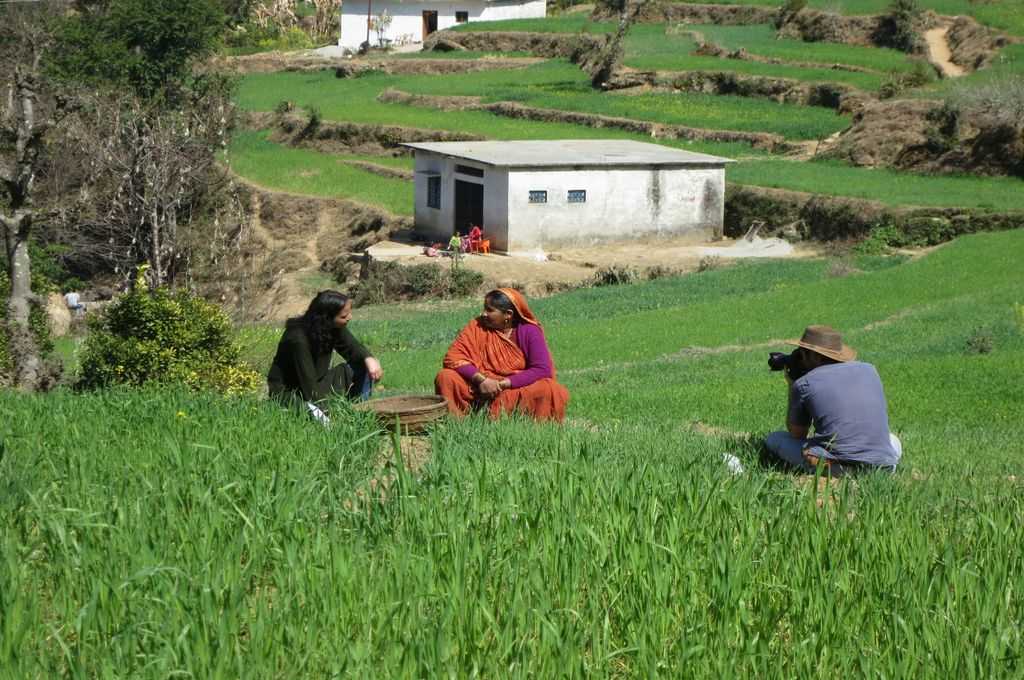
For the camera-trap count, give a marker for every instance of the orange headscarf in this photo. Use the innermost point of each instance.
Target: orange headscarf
(519, 302)
(489, 351)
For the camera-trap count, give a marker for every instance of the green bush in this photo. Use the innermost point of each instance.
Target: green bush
(912, 232)
(164, 337)
(879, 240)
(390, 281)
(250, 38)
(901, 23)
(614, 275)
(897, 81)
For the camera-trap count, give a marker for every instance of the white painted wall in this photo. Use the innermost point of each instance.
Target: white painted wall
(437, 224)
(620, 203)
(408, 16)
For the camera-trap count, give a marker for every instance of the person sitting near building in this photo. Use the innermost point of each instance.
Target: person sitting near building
(476, 235)
(301, 372)
(455, 243)
(842, 400)
(500, 361)
(74, 303)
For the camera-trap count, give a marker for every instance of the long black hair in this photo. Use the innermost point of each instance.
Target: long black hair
(318, 321)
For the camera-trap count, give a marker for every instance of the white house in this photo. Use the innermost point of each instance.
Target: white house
(413, 20)
(531, 194)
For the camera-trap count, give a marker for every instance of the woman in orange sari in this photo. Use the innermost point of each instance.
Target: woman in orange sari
(500, 361)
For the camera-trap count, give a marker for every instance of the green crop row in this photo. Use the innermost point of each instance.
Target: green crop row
(283, 168)
(560, 85)
(355, 100)
(1007, 15)
(883, 185)
(155, 534)
(457, 54)
(761, 39)
(651, 47)
(658, 47)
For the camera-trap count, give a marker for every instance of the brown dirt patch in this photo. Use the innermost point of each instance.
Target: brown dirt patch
(570, 267)
(382, 170)
(923, 136)
(416, 453)
(973, 46)
(548, 45)
(939, 53)
(293, 235)
(271, 62)
(354, 138)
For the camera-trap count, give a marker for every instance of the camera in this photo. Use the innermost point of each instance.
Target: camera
(791, 363)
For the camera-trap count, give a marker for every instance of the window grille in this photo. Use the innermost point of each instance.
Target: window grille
(434, 192)
(538, 196)
(461, 17)
(577, 196)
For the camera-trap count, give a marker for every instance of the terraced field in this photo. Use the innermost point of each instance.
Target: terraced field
(558, 85)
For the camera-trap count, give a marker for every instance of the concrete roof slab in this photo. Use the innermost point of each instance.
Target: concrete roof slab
(568, 152)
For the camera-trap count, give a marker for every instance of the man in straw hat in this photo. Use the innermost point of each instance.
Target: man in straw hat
(843, 400)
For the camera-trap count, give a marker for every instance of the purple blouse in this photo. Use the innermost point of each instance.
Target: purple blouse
(530, 340)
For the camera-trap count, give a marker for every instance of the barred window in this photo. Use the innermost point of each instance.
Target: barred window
(538, 196)
(461, 17)
(577, 195)
(434, 192)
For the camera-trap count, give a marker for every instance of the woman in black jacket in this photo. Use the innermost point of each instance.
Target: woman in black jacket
(302, 371)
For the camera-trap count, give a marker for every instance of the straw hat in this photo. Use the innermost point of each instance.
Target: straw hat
(826, 341)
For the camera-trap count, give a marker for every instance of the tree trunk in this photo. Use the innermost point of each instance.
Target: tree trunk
(24, 349)
(17, 179)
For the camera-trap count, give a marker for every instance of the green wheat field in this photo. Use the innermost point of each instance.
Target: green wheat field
(161, 534)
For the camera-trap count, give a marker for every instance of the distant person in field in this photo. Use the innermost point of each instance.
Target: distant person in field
(500, 361)
(842, 400)
(301, 373)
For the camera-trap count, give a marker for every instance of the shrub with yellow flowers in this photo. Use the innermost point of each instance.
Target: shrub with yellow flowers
(162, 336)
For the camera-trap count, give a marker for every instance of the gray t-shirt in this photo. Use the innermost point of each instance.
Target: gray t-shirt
(846, 405)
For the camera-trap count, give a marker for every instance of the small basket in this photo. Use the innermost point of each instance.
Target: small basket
(413, 411)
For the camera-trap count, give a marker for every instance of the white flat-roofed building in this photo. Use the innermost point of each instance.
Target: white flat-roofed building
(413, 20)
(532, 194)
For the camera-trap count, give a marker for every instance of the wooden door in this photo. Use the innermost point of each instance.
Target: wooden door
(469, 206)
(429, 22)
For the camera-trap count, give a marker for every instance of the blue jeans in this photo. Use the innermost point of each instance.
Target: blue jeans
(789, 450)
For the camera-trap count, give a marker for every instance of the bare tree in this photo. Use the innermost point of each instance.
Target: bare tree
(151, 176)
(602, 64)
(28, 117)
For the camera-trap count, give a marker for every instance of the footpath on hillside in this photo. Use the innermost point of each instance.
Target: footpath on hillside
(538, 271)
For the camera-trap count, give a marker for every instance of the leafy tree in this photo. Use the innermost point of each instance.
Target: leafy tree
(148, 46)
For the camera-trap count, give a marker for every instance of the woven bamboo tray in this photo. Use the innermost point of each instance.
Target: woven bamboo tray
(413, 411)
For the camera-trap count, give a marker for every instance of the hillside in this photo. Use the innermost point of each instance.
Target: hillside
(832, 138)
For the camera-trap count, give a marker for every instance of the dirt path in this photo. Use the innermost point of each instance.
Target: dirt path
(939, 53)
(543, 273)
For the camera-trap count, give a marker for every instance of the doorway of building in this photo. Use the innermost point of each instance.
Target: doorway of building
(429, 23)
(469, 205)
